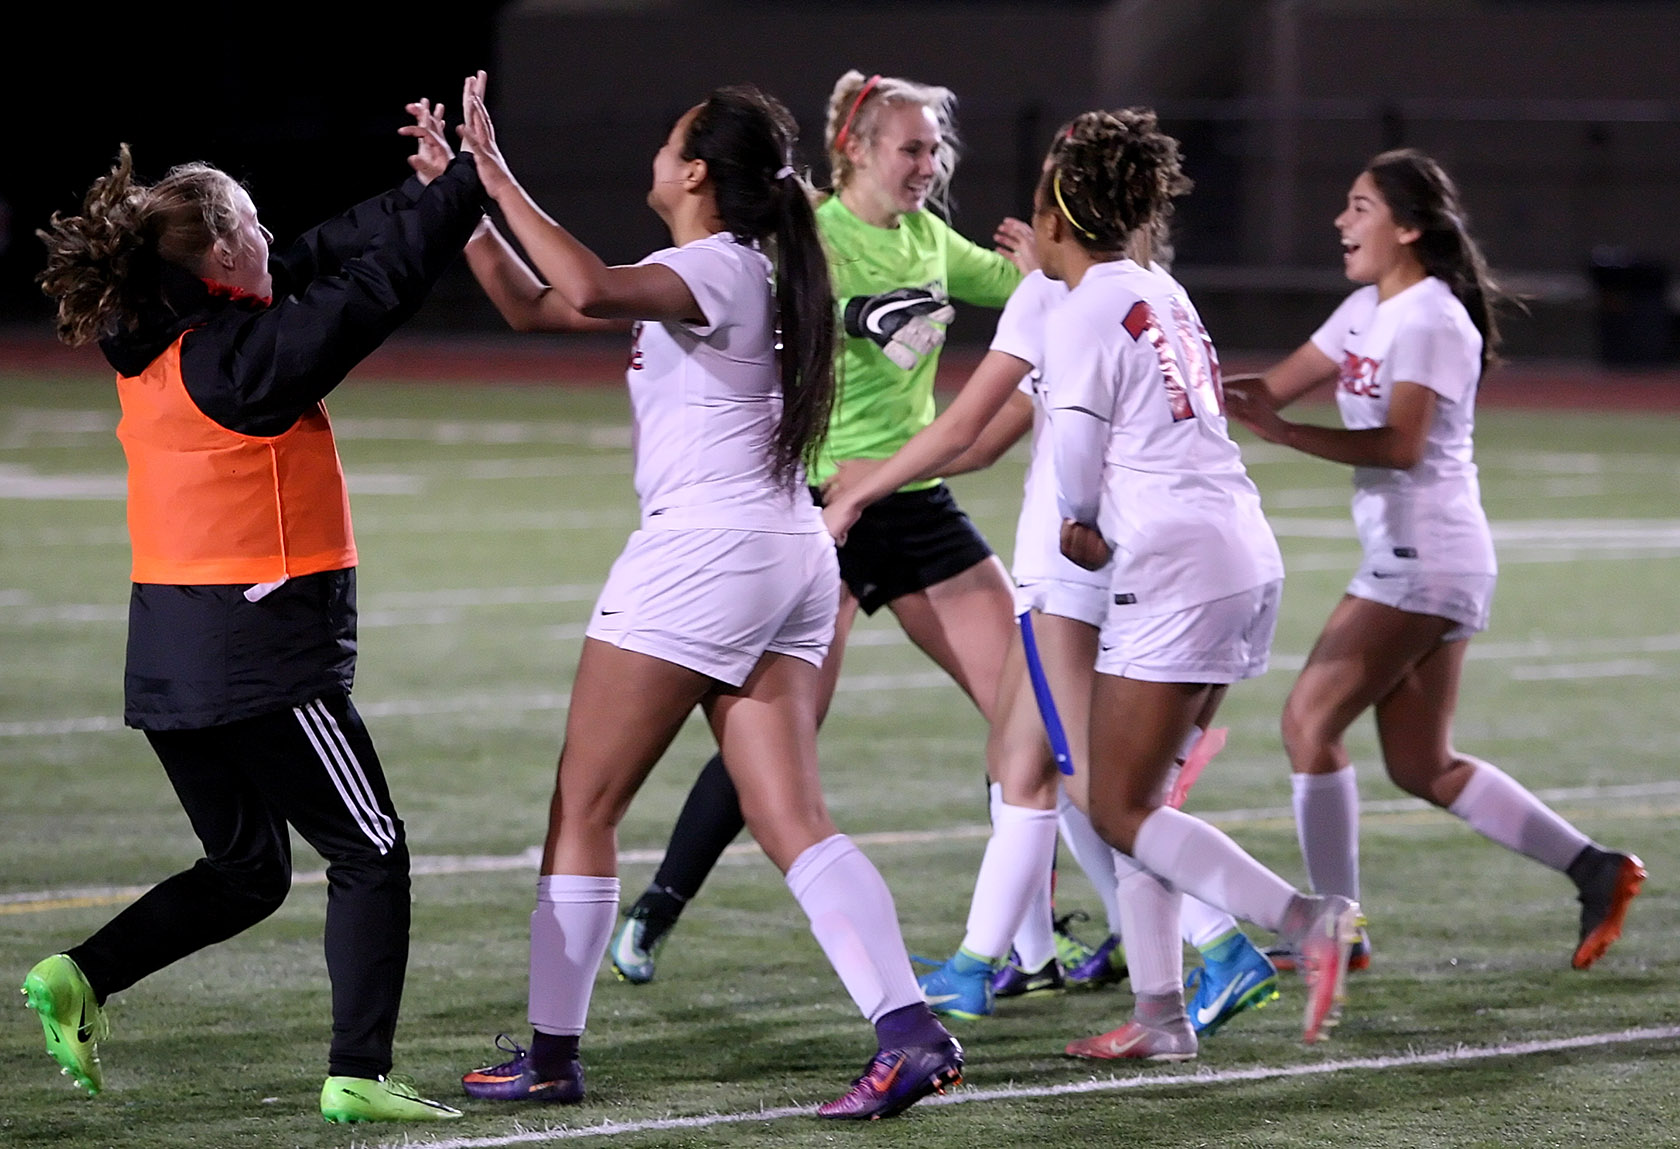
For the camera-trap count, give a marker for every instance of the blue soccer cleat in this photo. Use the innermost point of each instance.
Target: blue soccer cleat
(960, 987)
(1220, 990)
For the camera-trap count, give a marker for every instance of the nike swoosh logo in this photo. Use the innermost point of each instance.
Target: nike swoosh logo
(940, 998)
(1207, 1013)
(84, 1031)
(877, 318)
(605, 613)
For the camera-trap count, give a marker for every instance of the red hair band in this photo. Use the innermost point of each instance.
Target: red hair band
(845, 128)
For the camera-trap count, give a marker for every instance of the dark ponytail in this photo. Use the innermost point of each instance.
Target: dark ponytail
(1421, 195)
(746, 138)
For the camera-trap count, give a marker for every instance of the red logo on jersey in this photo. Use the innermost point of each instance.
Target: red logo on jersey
(636, 347)
(1359, 376)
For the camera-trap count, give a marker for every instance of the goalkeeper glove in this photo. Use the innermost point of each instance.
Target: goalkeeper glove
(902, 322)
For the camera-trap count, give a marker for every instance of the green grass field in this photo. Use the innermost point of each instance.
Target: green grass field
(487, 518)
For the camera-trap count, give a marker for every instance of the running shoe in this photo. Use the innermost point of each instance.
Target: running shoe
(1219, 990)
(1013, 981)
(1284, 959)
(959, 987)
(632, 954)
(1608, 882)
(1083, 966)
(350, 1099)
(1324, 947)
(1139, 1041)
(517, 1079)
(71, 1017)
(896, 1079)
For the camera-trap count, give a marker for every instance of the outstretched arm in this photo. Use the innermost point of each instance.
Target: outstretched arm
(582, 280)
(1398, 444)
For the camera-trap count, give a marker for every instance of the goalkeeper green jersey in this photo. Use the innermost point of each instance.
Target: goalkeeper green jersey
(879, 405)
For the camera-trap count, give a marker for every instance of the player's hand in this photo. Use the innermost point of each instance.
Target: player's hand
(1084, 546)
(905, 323)
(839, 517)
(1016, 241)
(478, 138)
(432, 152)
(1251, 405)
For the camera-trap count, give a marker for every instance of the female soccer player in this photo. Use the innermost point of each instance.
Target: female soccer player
(1063, 605)
(242, 619)
(1147, 477)
(724, 599)
(896, 264)
(1407, 352)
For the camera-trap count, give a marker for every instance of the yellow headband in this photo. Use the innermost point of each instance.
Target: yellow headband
(1056, 189)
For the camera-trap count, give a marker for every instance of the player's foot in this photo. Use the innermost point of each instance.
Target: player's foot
(1607, 882)
(959, 987)
(1220, 990)
(517, 1079)
(1082, 965)
(1323, 949)
(1013, 981)
(1284, 959)
(350, 1099)
(632, 951)
(71, 1017)
(896, 1079)
(1175, 1042)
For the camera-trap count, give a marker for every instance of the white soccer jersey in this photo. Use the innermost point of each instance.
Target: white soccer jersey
(1427, 518)
(1141, 446)
(706, 400)
(1020, 332)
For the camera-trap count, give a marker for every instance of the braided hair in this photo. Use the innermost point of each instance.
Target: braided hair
(1112, 173)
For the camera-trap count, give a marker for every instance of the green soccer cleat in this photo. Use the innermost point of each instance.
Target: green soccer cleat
(72, 1018)
(349, 1099)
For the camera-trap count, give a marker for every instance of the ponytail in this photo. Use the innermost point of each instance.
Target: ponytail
(746, 138)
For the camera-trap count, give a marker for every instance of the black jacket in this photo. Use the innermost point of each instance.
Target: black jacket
(202, 655)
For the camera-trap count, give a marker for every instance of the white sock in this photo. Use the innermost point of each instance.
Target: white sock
(854, 921)
(1154, 955)
(1095, 856)
(1012, 890)
(1327, 826)
(570, 929)
(1201, 860)
(1500, 808)
(1202, 925)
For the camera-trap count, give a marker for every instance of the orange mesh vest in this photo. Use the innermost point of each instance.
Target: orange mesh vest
(211, 506)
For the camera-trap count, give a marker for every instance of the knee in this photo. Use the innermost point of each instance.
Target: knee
(1114, 824)
(257, 885)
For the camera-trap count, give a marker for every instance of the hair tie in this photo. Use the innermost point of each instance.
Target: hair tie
(784, 171)
(1056, 189)
(845, 128)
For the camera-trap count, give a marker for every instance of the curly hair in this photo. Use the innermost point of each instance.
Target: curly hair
(854, 112)
(1112, 173)
(103, 265)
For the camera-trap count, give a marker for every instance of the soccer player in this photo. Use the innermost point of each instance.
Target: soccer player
(724, 598)
(1407, 351)
(1005, 397)
(896, 265)
(1146, 476)
(242, 617)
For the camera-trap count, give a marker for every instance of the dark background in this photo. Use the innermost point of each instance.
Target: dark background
(1560, 119)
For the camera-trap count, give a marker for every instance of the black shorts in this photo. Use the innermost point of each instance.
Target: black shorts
(907, 542)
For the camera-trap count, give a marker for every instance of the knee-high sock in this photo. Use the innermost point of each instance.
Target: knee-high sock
(1327, 826)
(570, 929)
(1095, 856)
(1011, 892)
(1202, 924)
(1501, 809)
(854, 921)
(1154, 954)
(1201, 860)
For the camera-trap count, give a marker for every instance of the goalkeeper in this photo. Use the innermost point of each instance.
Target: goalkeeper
(897, 265)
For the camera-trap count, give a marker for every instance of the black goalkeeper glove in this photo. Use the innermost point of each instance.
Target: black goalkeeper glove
(903, 322)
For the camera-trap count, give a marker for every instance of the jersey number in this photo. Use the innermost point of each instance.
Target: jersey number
(1203, 376)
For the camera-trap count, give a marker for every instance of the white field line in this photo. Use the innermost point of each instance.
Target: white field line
(1634, 797)
(1455, 1055)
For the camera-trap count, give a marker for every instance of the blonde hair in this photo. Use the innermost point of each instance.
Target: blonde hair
(854, 112)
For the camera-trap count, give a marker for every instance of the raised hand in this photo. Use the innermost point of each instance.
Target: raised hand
(432, 152)
(1015, 240)
(478, 137)
(902, 322)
